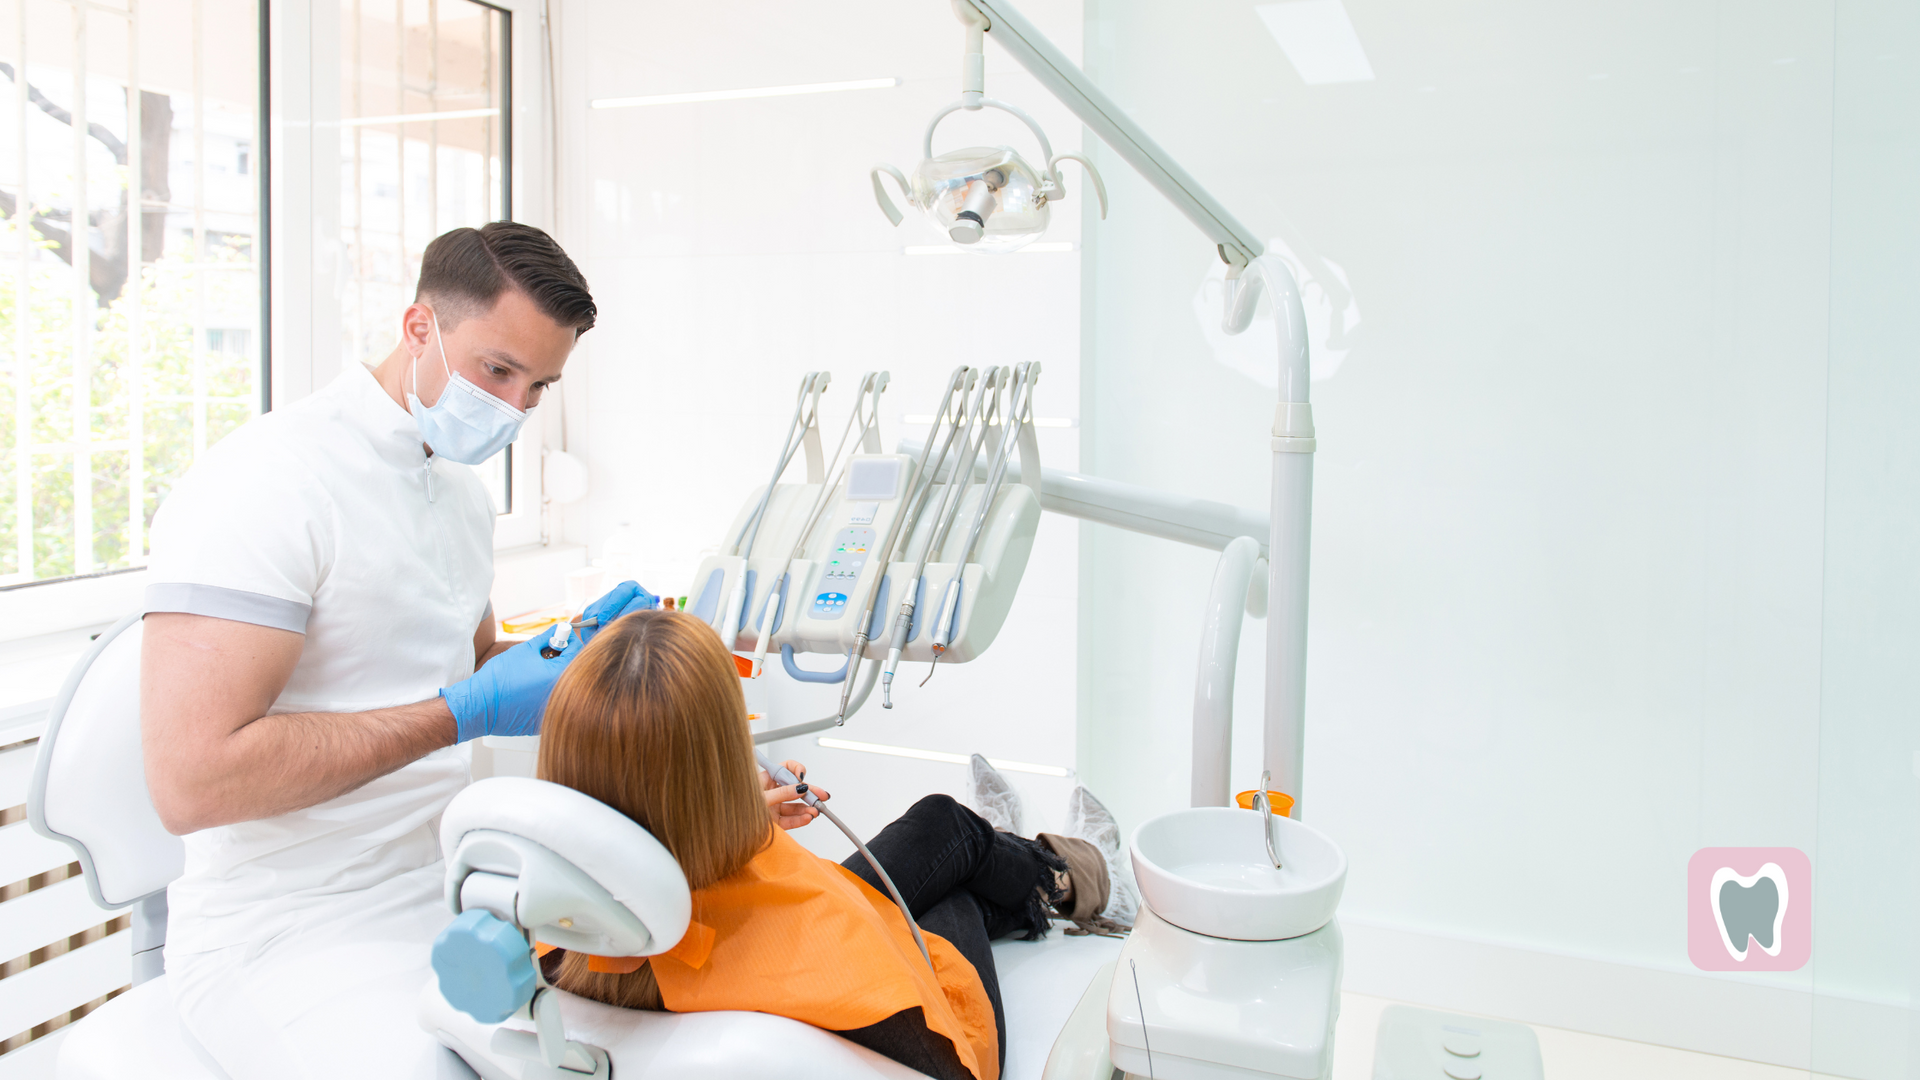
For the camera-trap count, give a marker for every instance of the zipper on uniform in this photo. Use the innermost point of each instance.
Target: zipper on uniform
(429, 471)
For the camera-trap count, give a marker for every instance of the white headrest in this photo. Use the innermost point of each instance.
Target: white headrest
(573, 870)
(90, 782)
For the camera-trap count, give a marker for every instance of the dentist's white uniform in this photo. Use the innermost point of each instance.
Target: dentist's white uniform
(297, 946)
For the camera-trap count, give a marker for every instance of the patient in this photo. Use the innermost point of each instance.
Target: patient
(650, 720)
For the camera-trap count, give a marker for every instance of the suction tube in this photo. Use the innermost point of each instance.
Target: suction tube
(903, 622)
(957, 480)
(784, 777)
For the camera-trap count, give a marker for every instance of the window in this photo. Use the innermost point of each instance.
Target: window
(424, 147)
(129, 280)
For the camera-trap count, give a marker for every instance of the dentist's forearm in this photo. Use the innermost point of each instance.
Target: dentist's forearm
(278, 764)
(213, 758)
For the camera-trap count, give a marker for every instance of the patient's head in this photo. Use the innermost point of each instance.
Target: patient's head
(649, 720)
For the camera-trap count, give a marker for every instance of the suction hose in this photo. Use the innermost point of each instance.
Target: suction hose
(784, 776)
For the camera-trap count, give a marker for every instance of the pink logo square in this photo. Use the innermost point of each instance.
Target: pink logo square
(1749, 909)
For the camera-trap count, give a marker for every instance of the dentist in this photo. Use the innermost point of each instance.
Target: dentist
(319, 644)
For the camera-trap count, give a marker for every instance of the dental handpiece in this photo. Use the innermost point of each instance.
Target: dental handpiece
(804, 418)
(1025, 375)
(785, 778)
(893, 657)
(990, 412)
(962, 381)
(958, 479)
(563, 633)
(920, 484)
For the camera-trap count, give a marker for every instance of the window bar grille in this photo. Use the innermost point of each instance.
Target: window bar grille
(486, 80)
(136, 374)
(22, 323)
(356, 84)
(433, 126)
(197, 267)
(82, 365)
(400, 130)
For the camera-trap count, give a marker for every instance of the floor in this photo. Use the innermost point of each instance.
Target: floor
(1568, 1055)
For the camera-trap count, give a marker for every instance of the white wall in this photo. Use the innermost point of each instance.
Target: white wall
(733, 246)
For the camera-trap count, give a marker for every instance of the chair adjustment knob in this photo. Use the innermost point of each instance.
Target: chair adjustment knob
(484, 965)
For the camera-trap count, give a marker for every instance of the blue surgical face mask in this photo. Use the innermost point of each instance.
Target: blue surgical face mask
(467, 424)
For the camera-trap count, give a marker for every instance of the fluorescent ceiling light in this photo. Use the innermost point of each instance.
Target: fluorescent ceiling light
(935, 755)
(418, 117)
(926, 420)
(1044, 247)
(735, 95)
(1318, 39)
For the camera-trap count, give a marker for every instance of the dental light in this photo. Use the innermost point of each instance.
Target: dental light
(986, 198)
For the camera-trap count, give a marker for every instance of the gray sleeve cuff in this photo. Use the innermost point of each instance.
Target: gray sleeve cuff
(235, 604)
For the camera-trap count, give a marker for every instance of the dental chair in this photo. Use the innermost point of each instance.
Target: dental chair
(528, 861)
(90, 792)
(532, 861)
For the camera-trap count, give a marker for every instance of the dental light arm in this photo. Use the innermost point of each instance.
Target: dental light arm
(1071, 86)
(1243, 295)
(1250, 269)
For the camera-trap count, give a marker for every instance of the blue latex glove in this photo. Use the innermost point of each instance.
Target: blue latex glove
(508, 695)
(623, 599)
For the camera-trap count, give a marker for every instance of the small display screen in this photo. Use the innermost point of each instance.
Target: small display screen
(873, 478)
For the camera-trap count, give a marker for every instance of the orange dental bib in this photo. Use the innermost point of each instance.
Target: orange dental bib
(795, 935)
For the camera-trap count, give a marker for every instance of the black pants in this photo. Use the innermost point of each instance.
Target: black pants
(967, 883)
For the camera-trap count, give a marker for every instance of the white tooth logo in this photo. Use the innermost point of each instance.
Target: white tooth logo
(1749, 908)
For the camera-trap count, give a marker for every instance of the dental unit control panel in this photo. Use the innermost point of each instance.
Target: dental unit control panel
(842, 571)
(895, 558)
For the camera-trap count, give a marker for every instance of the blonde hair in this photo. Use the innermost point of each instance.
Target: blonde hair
(649, 720)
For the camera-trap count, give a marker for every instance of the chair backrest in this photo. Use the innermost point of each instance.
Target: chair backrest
(90, 783)
(569, 869)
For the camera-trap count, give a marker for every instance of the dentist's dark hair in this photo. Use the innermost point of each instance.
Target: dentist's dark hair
(465, 271)
(649, 719)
